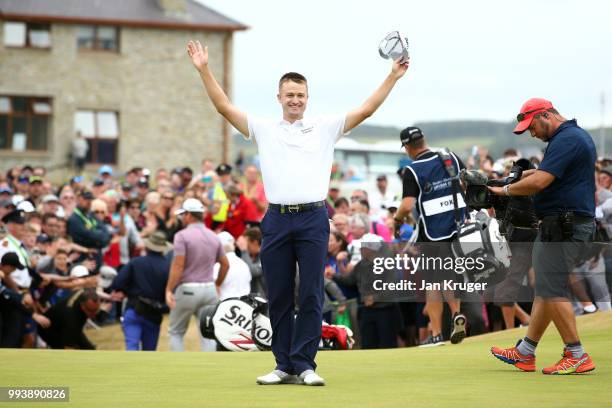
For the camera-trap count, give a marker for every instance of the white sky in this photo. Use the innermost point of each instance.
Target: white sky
(471, 59)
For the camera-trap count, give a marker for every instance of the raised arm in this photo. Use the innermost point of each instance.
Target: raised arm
(356, 116)
(199, 58)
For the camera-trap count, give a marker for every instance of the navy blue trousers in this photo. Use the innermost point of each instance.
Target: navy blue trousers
(289, 238)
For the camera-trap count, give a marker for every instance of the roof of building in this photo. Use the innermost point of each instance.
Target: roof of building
(192, 15)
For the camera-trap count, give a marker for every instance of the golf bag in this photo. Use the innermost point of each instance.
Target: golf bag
(238, 324)
(242, 324)
(481, 238)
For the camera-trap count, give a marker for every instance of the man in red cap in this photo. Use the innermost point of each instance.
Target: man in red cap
(563, 188)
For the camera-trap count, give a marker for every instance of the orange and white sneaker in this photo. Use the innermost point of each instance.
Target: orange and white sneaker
(571, 365)
(512, 356)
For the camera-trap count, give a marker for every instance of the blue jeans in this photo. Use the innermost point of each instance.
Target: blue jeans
(139, 331)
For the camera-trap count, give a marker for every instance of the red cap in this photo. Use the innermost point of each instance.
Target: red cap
(529, 109)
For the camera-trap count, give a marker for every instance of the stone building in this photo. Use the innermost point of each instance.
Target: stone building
(118, 72)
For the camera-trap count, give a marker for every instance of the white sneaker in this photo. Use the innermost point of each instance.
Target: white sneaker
(309, 377)
(277, 377)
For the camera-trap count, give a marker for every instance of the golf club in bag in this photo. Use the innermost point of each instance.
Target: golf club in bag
(242, 324)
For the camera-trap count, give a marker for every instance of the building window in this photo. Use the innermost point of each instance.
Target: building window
(101, 38)
(27, 35)
(24, 123)
(101, 130)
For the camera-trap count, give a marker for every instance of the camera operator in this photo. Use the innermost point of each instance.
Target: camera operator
(518, 222)
(428, 184)
(564, 189)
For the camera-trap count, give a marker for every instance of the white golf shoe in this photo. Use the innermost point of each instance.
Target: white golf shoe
(277, 377)
(309, 377)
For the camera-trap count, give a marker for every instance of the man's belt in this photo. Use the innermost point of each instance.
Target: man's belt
(296, 208)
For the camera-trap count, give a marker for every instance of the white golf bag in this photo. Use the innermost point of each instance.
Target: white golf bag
(481, 238)
(238, 324)
(242, 324)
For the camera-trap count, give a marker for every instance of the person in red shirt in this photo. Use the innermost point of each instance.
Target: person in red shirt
(241, 212)
(254, 190)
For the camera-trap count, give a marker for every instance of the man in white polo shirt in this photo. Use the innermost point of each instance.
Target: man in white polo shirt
(296, 155)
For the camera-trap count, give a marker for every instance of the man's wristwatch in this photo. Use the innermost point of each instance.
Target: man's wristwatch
(505, 189)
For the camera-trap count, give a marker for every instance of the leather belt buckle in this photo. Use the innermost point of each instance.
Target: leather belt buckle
(293, 208)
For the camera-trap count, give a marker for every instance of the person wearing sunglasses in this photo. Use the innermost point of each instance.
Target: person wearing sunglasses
(167, 221)
(563, 188)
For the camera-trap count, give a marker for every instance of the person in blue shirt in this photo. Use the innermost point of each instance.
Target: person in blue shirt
(143, 280)
(564, 196)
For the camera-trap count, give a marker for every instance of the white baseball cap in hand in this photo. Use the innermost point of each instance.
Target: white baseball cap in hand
(394, 47)
(192, 205)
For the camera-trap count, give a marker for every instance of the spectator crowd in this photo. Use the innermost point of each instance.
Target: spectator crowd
(100, 251)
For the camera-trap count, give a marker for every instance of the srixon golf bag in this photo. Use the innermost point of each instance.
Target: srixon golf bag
(242, 324)
(481, 238)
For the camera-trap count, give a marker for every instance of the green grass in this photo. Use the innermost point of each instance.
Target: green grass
(459, 376)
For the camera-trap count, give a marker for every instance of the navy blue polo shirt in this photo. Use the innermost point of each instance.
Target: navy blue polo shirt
(144, 276)
(570, 157)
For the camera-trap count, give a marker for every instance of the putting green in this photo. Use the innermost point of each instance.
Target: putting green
(464, 375)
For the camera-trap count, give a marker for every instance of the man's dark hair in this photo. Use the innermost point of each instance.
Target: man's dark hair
(253, 234)
(197, 215)
(294, 77)
(510, 152)
(341, 201)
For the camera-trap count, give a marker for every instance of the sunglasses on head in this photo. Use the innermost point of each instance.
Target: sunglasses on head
(521, 116)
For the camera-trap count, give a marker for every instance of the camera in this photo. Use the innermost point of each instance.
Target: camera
(511, 212)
